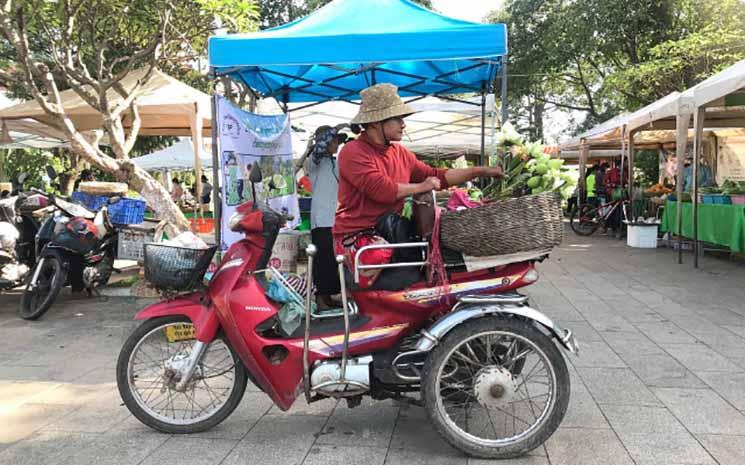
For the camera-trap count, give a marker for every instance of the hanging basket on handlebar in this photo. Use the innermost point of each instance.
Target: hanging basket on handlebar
(169, 268)
(521, 224)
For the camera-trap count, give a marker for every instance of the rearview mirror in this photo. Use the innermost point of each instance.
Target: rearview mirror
(51, 173)
(22, 178)
(255, 174)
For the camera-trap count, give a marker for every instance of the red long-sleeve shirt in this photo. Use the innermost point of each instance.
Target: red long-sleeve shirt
(369, 175)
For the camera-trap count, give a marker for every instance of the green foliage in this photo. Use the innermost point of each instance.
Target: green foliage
(646, 167)
(275, 13)
(602, 57)
(31, 161)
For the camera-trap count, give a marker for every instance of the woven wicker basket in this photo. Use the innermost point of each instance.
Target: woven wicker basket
(103, 188)
(507, 226)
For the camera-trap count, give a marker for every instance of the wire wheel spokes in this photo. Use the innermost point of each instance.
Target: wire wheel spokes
(501, 390)
(153, 376)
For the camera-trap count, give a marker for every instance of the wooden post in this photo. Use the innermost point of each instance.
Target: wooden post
(584, 153)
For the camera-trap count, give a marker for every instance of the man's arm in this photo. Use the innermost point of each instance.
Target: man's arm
(461, 175)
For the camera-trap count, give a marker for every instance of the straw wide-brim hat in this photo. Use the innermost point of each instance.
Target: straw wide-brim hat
(380, 102)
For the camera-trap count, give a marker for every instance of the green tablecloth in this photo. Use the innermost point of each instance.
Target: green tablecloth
(717, 224)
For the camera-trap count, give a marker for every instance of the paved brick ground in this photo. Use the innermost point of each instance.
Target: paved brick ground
(661, 380)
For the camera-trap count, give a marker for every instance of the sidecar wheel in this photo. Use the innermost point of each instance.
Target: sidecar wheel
(496, 387)
(146, 380)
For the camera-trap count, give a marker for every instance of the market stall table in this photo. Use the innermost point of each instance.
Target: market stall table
(722, 225)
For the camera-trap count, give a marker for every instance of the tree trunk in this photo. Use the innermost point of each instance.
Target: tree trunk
(3, 160)
(125, 171)
(538, 108)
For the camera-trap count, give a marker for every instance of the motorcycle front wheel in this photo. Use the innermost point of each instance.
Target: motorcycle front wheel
(147, 374)
(514, 396)
(47, 278)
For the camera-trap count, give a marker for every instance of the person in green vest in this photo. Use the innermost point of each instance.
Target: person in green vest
(590, 186)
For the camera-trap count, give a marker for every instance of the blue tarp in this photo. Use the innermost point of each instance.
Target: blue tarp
(351, 44)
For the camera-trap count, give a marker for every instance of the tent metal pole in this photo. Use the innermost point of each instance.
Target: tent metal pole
(681, 142)
(504, 93)
(698, 124)
(483, 127)
(216, 181)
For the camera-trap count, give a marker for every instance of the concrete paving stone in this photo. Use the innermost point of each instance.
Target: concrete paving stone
(731, 386)
(524, 460)
(191, 450)
(702, 411)
(364, 426)
(267, 453)
(609, 320)
(583, 412)
(698, 358)
(15, 393)
(738, 331)
(567, 314)
(117, 448)
(101, 413)
(289, 430)
(323, 408)
(630, 342)
(321, 454)
(421, 457)
(252, 408)
(596, 354)
(722, 315)
(727, 450)
(22, 421)
(414, 431)
(582, 330)
(616, 386)
(73, 393)
(653, 436)
(661, 370)
(69, 371)
(580, 446)
(665, 333)
(45, 448)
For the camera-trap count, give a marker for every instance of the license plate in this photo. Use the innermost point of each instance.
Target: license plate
(183, 332)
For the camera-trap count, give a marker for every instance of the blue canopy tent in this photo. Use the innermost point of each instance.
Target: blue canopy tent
(349, 45)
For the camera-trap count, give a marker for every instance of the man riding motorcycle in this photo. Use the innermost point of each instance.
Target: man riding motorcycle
(376, 175)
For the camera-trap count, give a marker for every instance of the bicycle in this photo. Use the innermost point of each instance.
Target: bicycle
(586, 219)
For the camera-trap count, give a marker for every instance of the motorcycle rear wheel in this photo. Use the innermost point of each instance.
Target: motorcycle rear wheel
(147, 387)
(40, 295)
(504, 409)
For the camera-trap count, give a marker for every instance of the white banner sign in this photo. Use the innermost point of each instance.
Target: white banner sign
(245, 139)
(731, 159)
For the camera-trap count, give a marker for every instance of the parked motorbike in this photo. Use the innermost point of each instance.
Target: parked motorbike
(485, 365)
(75, 247)
(18, 227)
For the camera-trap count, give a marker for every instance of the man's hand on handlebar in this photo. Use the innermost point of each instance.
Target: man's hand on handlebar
(431, 183)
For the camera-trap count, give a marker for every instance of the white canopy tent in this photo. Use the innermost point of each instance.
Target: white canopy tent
(27, 133)
(438, 126)
(179, 156)
(714, 104)
(167, 107)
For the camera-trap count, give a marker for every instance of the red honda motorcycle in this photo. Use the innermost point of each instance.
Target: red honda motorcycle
(487, 367)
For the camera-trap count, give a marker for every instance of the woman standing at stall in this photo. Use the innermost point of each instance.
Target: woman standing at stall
(324, 178)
